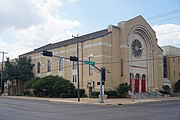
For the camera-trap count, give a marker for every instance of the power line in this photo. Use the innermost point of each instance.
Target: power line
(166, 19)
(164, 14)
(118, 62)
(169, 32)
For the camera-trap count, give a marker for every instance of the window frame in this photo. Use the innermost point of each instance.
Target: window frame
(38, 67)
(61, 64)
(49, 66)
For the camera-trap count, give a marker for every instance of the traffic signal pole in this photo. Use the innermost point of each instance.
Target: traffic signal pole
(101, 95)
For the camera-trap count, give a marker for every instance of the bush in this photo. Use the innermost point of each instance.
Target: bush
(123, 89)
(177, 86)
(81, 91)
(26, 93)
(51, 86)
(111, 94)
(66, 95)
(94, 94)
(164, 92)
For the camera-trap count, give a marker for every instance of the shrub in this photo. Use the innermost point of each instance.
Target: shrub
(26, 93)
(177, 86)
(94, 94)
(51, 86)
(81, 91)
(166, 88)
(111, 94)
(164, 92)
(66, 95)
(123, 89)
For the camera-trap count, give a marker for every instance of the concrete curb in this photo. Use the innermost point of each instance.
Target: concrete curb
(119, 101)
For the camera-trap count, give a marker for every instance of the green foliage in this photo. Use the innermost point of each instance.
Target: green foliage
(177, 86)
(52, 86)
(111, 94)
(166, 90)
(81, 92)
(66, 95)
(94, 94)
(19, 69)
(123, 89)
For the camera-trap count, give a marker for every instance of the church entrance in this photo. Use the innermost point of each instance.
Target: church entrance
(139, 83)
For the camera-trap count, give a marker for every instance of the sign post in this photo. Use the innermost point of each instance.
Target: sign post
(100, 95)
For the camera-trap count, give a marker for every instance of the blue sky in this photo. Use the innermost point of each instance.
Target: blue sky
(98, 14)
(29, 24)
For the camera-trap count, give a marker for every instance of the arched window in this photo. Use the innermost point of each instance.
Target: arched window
(49, 66)
(38, 67)
(137, 76)
(143, 77)
(90, 67)
(61, 64)
(74, 66)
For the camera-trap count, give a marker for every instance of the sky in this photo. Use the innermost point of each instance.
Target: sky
(28, 24)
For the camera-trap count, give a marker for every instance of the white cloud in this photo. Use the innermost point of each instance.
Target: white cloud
(28, 24)
(168, 34)
(72, 1)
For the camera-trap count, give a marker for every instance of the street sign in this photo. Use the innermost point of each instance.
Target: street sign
(89, 62)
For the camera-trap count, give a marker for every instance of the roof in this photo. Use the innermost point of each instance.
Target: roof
(83, 38)
(171, 50)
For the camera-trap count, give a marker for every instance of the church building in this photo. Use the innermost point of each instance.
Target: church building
(128, 51)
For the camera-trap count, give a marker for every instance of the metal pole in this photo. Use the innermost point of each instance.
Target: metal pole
(132, 81)
(2, 65)
(140, 89)
(100, 96)
(77, 66)
(78, 70)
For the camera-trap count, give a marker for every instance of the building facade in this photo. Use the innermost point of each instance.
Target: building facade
(127, 51)
(171, 61)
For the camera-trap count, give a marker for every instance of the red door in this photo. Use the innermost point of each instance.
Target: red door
(143, 85)
(131, 84)
(136, 85)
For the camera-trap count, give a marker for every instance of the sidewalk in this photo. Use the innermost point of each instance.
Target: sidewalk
(117, 101)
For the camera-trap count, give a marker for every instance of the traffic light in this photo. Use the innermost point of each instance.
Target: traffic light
(73, 58)
(103, 74)
(47, 53)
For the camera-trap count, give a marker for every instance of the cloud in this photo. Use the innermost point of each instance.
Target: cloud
(18, 14)
(28, 24)
(168, 34)
(72, 1)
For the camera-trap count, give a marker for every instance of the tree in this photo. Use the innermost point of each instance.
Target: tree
(50, 86)
(24, 68)
(177, 86)
(123, 89)
(18, 69)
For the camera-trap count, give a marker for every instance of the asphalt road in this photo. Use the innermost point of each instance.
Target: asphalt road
(18, 109)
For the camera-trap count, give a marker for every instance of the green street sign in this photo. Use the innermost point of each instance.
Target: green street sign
(89, 62)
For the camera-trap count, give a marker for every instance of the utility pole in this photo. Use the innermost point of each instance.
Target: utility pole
(77, 65)
(2, 67)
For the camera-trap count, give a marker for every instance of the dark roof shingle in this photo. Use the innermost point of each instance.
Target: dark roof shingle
(70, 41)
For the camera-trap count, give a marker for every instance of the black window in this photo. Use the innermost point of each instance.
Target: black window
(38, 67)
(49, 66)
